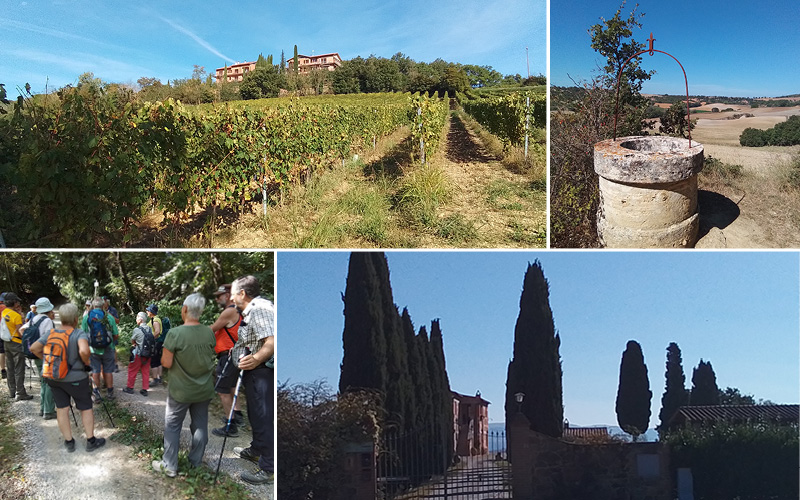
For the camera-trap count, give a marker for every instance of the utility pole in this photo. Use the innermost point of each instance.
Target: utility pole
(528, 61)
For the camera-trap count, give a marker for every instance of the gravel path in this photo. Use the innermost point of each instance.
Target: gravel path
(111, 472)
(153, 407)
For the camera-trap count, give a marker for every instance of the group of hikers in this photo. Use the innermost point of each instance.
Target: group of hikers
(236, 351)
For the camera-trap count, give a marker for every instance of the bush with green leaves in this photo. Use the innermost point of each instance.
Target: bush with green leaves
(783, 134)
(757, 460)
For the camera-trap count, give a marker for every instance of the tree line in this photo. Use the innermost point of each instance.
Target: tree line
(398, 73)
(783, 134)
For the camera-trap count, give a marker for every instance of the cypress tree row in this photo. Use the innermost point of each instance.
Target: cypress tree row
(704, 385)
(364, 362)
(535, 369)
(381, 352)
(633, 393)
(675, 393)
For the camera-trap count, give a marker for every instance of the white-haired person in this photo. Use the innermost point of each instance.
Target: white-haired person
(75, 384)
(189, 356)
(143, 345)
(253, 353)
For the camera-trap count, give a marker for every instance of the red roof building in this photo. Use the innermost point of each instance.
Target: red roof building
(306, 64)
(235, 72)
(471, 424)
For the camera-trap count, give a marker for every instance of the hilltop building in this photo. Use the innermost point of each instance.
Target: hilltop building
(305, 64)
(236, 71)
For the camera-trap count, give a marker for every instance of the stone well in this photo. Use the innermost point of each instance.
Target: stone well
(648, 191)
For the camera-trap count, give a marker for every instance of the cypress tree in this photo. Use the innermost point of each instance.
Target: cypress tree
(443, 397)
(364, 362)
(675, 393)
(704, 385)
(283, 63)
(418, 372)
(296, 68)
(535, 369)
(633, 394)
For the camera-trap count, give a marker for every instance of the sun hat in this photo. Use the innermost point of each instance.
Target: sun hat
(226, 288)
(43, 305)
(152, 308)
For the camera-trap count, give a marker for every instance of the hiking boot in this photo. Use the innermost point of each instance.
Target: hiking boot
(128, 390)
(70, 445)
(97, 397)
(49, 416)
(143, 392)
(98, 442)
(160, 466)
(24, 397)
(233, 432)
(110, 393)
(238, 419)
(247, 454)
(258, 476)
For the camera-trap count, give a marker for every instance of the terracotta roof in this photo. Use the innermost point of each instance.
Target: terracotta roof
(585, 432)
(461, 397)
(736, 413)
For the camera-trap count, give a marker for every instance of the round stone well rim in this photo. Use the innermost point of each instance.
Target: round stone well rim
(675, 161)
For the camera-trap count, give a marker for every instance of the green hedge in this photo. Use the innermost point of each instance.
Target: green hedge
(744, 461)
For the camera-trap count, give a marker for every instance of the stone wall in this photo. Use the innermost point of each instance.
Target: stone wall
(548, 468)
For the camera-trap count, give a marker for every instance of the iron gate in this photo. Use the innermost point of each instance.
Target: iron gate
(412, 466)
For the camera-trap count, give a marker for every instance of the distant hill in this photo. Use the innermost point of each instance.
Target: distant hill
(649, 436)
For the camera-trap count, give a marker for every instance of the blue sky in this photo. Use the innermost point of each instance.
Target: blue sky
(739, 310)
(123, 41)
(732, 47)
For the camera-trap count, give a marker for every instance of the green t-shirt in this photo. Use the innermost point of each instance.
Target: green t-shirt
(191, 378)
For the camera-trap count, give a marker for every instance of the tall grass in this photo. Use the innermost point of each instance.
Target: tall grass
(421, 192)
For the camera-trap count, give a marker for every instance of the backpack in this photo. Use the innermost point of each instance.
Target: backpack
(165, 326)
(29, 336)
(148, 347)
(55, 364)
(98, 329)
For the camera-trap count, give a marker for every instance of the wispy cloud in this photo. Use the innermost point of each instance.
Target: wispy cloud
(43, 31)
(196, 38)
(77, 63)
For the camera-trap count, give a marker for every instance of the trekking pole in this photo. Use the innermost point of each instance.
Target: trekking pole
(103, 400)
(73, 414)
(230, 415)
(224, 369)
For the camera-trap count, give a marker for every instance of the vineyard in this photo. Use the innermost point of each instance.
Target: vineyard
(85, 163)
(511, 116)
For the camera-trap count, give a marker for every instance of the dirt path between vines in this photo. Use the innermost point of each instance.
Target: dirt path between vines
(507, 209)
(113, 471)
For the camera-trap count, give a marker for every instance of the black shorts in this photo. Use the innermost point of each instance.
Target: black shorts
(80, 391)
(155, 359)
(3, 350)
(226, 380)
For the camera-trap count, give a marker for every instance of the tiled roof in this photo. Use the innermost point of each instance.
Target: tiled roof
(737, 412)
(462, 397)
(585, 432)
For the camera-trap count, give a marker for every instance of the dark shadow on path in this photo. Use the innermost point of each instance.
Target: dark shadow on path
(461, 147)
(715, 210)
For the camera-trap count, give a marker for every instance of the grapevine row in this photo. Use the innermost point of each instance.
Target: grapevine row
(506, 116)
(92, 163)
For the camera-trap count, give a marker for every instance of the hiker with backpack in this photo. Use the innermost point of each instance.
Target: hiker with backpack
(143, 346)
(12, 339)
(39, 326)
(189, 357)
(102, 331)
(65, 353)
(226, 331)
(154, 322)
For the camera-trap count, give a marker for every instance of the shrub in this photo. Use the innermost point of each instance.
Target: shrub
(744, 461)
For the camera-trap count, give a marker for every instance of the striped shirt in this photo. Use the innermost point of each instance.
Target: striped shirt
(258, 323)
